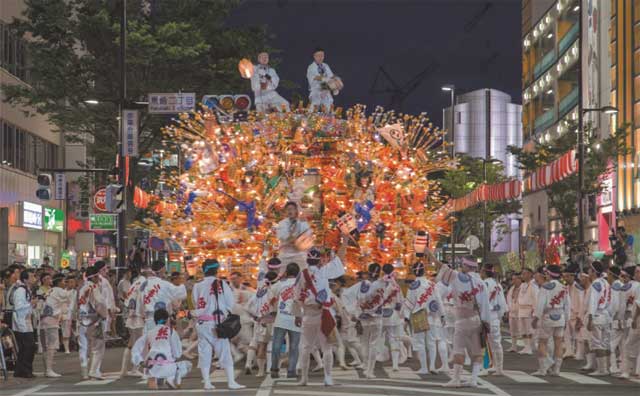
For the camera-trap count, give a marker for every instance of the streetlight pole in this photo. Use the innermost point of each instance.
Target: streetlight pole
(605, 110)
(452, 89)
(122, 216)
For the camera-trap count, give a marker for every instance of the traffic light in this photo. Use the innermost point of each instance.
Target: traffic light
(114, 198)
(44, 187)
(229, 107)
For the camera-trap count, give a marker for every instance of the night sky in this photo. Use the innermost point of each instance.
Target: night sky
(471, 43)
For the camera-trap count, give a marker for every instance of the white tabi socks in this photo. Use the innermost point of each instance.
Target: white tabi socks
(455, 381)
(231, 378)
(422, 357)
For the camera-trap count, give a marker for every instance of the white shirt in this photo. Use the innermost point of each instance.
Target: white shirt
(91, 303)
(470, 296)
(263, 302)
(158, 293)
(553, 306)
(107, 292)
(599, 299)
(259, 78)
(133, 304)
(285, 291)
(527, 299)
(393, 302)
(306, 301)
(55, 307)
(123, 288)
(424, 294)
(207, 305)
(287, 234)
(497, 302)
(370, 296)
(315, 70)
(161, 343)
(22, 309)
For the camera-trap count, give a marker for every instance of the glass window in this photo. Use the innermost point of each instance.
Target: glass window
(613, 32)
(636, 114)
(636, 62)
(636, 10)
(9, 143)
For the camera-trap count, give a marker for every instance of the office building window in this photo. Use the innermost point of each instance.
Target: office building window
(13, 53)
(25, 151)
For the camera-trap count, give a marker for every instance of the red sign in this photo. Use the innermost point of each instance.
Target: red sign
(102, 251)
(100, 200)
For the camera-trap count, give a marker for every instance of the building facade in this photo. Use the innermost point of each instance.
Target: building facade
(486, 122)
(565, 69)
(30, 229)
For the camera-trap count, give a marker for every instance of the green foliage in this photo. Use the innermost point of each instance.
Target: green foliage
(176, 45)
(600, 160)
(509, 262)
(461, 181)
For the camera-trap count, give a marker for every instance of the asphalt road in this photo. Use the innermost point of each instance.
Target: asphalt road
(517, 382)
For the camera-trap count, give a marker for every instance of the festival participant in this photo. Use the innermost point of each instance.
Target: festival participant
(22, 303)
(619, 287)
(598, 318)
(512, 303)
(92, 310)
(553, 308)
(69, 312)
(392, 318)
(526, 302)
(135, 318)
(449, 319)
(242, 294)
(213, 299)
(318, 73)
(288, 231)
(472, 316)
(159, 349)
(631, 362)
(576, 295)
(583, 333)
(158, 293)
(286, 324)
(263, 309)
(498, 307)
(107, 291)
(348, 334)
(52, 314)
(369, 297)
(264, 83)
(312, 298)
(423, 299)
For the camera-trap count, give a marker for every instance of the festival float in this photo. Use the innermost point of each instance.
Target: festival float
(367, 185)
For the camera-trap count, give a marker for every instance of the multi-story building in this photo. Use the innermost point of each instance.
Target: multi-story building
(30, 229)
(624, 49)
(563, 71)
(486, 122)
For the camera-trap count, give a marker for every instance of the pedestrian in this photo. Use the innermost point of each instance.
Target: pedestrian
(318, 74)
(52, 313)
(93, 313)
(134, 317)
(159, 349)
(313, 303)
(370, 295)
(20, 299)
(472, 316)
(264, 83)
(498, 308)
(213, 299)
(424, 311)
(553, 308)
(526, 302)
(512, 303)
(158, 293)
(598, 319)
(392, 317)
(286, 323)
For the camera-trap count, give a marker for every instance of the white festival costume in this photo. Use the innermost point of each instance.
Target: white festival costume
(159, 349)
(552, 310)
(158, 293)
(264, 83)
(287, 232)
(318, 96)
(392, 317)
(369, 297)
(498, 307)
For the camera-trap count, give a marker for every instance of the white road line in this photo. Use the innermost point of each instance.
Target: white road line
(345, 374)
(401, 381)
(30, 391)
(142, 392)
(265, 387)
(438, 390)
(220, 375)
(491, 387)
(523, 378)
(637, 381)
(404, 373)
(583, 379)
(94, 382)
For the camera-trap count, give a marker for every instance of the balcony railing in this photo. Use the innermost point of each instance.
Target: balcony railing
(544, 64)
(568, 39)
(544, 121)
(568, 102)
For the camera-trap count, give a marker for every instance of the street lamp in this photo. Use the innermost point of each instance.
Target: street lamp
(452, 88)
(92, 101)
(606, 110)
(485, 161)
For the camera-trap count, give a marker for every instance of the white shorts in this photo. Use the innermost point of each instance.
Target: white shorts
(65, 326)
(514, 326)
(544, 332)
(262, 333)
(467, 339)
(524, 326)
(600, 338)
(49, 338)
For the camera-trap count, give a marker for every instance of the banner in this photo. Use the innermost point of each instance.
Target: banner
(489, 193)
(552, 173)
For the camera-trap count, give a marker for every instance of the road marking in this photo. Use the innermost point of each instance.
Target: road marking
(94, 382)
(583, 379)
(438, 390)
(345, 374)
(142, 392)
(30, 391)
(523, 378)
(221, 375)
(265, 387)
(403, 373)
(401, 381)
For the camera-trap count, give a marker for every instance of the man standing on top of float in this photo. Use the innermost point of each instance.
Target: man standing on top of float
(288, 231)
(264, 83)
(318, 73)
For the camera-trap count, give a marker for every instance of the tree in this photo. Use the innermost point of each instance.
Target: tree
(459, 182)
(172, 45)
(600, 160)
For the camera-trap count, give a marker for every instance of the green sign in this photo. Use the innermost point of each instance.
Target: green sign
(53, 220)
(103, 222)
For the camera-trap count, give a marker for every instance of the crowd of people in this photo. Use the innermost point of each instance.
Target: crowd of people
(303, 306)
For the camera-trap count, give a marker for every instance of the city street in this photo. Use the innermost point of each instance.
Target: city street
(517, 382)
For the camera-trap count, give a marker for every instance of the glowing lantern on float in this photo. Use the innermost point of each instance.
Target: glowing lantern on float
(245, 67)
(420, 243)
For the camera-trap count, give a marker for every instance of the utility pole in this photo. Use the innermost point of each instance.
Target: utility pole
(122, 216)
